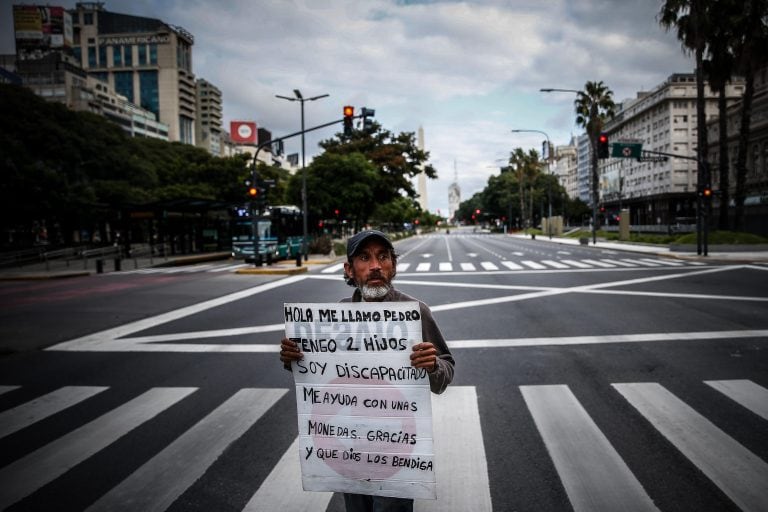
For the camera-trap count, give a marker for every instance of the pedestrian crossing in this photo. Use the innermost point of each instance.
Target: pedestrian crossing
(594, 475)
(523, 265)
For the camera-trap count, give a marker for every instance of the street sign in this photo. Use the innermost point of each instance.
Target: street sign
(626, 149)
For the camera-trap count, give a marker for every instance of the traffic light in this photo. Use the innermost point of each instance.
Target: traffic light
(368, 113)
(706, 192)
(349, 113)
(602, 146)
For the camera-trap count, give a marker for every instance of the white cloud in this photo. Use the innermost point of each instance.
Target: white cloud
(467, 71)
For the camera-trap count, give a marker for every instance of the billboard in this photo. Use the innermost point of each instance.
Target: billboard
(39, 30)
(243, 132)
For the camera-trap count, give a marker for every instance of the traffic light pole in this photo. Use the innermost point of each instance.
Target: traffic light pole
(255, 207)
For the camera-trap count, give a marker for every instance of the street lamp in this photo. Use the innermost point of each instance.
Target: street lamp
(549, 171)
(302, 99)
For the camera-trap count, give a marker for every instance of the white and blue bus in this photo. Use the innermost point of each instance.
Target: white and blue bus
(280, 231)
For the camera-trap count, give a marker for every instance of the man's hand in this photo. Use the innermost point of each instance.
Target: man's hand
(289, 351)
(424, 355)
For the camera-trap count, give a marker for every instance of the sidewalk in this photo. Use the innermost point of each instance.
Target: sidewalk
(715, 253)
(79, 268)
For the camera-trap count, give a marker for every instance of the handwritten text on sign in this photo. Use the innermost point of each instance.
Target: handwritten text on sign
(365, 414)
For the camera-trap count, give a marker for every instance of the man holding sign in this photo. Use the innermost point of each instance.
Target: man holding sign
(370, 267)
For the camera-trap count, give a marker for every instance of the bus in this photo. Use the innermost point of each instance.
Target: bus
(280, 231)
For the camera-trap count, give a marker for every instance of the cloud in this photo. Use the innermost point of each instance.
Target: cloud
(468, 71)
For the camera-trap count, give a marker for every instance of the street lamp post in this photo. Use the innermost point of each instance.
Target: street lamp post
(298, 97)
(549, 171)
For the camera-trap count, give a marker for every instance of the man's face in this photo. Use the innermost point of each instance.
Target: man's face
(373, 269)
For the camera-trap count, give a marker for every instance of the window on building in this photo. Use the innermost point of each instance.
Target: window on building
(87, 18)
(77, 53)
(124, 84)
(149, 91)
(92, 61)
(128, 55)
(102, 56)
(153, 54)
(117, 56)
(185, 130)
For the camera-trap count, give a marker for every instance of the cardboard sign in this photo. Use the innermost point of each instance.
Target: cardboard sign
(365, 414)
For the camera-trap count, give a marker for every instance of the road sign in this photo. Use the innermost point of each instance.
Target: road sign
(626, 150)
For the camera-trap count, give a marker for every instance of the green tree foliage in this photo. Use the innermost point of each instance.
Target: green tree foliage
(396, 159)
(344, 182)
(74, 169)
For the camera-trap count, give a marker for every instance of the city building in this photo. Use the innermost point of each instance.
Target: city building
(146, 60)
(209, 117)
(566, 168)
(45, 63)
(756, 178)
(656, 191)
(421, 186)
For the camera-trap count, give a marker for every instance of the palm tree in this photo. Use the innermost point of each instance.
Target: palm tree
(719, 69)
(751, 49)
(691, 20)
(594, 106)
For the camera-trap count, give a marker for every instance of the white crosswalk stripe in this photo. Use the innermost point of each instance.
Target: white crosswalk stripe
(155, 485)
(487, 265)
(423, 267)
(47, 405)
(469, 267)
(577, 264)
(403, 267)
(601, 264)
(511, 265)
(338, 268)
(618, 263)
(532, 264)
(554, 264)
(592, 471)
(26, 475)
(445, 266)
(739, 473)
(584, 458)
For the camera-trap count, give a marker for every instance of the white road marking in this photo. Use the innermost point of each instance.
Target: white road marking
(739, 473)
(745, 393)
(533, 264)
(446, 266)
(469, 267)
(577, 264)
(554, 264)
(599, 263)
(423, 267)
(24, 476)
(159, 482)
(511, 265)
(594, 475)
(402, 267)
(40, 408)
(333, 269)
(487, 265)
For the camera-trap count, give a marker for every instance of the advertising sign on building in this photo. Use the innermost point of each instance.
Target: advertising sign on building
(365, 414)
(243, 132)
(39, 30)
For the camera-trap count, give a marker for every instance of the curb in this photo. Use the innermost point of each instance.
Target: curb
(39, 276)
(288, 271)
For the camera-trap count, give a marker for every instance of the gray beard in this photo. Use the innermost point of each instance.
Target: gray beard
(373, 292)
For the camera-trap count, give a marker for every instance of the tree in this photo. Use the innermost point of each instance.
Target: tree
(345, 182)
(719, 68)
(690, 18)
(396, 159)
(594, 106)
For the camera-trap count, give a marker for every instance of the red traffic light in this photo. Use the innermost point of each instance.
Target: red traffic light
(603, 138)
(349, 111)
(253, 191)
(707, 192)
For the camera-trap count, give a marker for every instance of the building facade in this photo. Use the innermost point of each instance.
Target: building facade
(146, 60)
(209, 117)
(663, 120)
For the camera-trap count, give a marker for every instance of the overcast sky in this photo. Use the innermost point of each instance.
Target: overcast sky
(466, 71)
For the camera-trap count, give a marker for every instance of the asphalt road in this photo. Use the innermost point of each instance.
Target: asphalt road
(586, 379)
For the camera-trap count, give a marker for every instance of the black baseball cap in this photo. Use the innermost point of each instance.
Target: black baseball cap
(355, 241)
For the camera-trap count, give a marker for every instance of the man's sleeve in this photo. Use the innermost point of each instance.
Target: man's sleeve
(443, 374)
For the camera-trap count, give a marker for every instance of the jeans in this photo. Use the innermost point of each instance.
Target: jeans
(366, 503)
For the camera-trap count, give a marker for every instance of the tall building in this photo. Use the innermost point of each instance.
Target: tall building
(454, 197)
(44, 62)
(664, 120)
(146, 60)
(209, 113)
